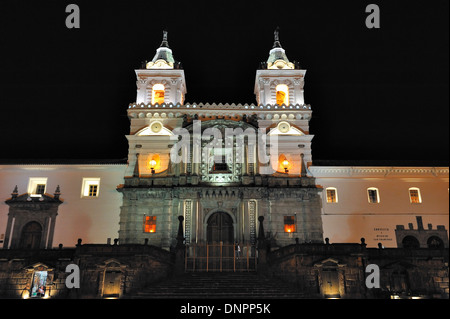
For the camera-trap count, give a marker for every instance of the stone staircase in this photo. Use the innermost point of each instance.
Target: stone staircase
(219, 286)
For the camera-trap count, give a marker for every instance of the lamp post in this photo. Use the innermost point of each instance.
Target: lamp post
(285, 164)
(152, 165)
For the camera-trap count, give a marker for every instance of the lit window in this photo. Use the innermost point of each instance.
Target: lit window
(150, 224)
(91, 187)
(373, 194)
(158, 94)
(332, 195)
(414, 195)
(36, 186)
(282, 94)
(289, 224)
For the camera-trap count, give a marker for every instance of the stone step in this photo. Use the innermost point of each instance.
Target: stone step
(219, 285)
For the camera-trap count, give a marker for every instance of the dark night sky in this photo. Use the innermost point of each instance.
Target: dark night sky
(376, 94)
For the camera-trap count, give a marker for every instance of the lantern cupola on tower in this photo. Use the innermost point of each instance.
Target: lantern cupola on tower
(163, 58)
(278, 58)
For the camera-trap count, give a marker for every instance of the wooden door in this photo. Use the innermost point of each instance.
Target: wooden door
(330, 282)
(220, 229)
(111, 285)
(31, 236)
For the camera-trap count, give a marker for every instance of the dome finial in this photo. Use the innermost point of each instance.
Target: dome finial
(277, 43)
(164, 42)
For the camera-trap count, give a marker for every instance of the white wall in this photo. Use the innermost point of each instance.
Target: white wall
(353, 217)
(96, 219)
(92, 219)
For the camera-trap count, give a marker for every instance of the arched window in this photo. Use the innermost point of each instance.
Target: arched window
(158, 94)
(282, 94)
(435, 242)
(410, 242)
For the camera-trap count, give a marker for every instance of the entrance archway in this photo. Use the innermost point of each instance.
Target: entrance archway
(220, 228)
(31, 236)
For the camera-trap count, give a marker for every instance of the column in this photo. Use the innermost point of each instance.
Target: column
(9, 232)
(167, 225)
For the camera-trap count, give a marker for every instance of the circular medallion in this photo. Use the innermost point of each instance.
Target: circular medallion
(156, 127)
(284, 127)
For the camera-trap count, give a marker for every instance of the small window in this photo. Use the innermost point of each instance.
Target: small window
(93, 190)
(332, 195)
(373, 194)
(40, 189)
(150, 224)
(289, 224)
(37, 186)
(414, 195)
(91, 187)
(158, 94)
(282, 94)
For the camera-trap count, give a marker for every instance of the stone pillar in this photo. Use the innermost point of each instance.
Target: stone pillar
(166, 239)
(8, 232)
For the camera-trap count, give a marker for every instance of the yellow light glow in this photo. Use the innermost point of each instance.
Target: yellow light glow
(289, 228)
(158, 94)
(282, 94)
(153, 163)
(285, 163)
(26, 295)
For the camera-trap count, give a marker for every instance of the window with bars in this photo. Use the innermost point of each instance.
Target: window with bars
(331, 195)
(90, 187)
(414, 196)
(93, 190)
(149, 224)
(40, 189)
(373, 195)
(36, 186)
(289, 224)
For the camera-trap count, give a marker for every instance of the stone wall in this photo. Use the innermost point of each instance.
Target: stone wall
(418, 273)
(136, 266)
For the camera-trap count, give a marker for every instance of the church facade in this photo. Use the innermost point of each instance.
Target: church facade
(221, 167)
(220, 174)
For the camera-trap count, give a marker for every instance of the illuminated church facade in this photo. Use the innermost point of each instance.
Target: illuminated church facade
(221, 167)
(214, 177)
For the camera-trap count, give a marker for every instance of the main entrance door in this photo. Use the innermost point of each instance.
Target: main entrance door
(220, 229)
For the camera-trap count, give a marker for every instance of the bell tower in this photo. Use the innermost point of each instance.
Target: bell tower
(161, 80)
(279, 81)
(279, 91)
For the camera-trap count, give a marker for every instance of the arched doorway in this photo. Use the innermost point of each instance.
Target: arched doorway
(410, 242)
(435, 242)
(220, 228)
(31, 236)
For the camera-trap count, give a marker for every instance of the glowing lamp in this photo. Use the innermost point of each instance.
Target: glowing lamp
(153, 165)
(289, 228)
(285, 165)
